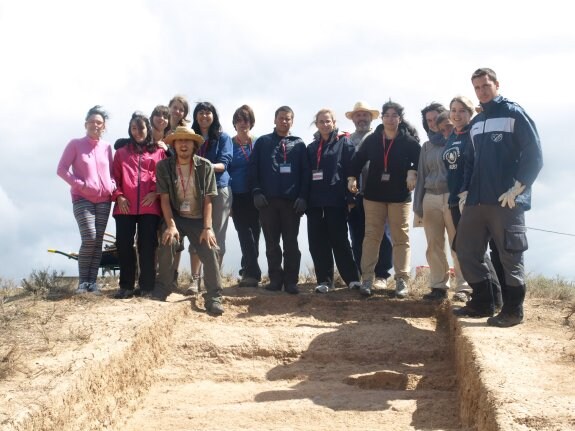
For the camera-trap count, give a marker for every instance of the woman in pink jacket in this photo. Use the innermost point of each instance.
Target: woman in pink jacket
(137, 207)
(86, 165)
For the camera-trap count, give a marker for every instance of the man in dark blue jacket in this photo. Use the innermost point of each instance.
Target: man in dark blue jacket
(279, 176)
(501, 165)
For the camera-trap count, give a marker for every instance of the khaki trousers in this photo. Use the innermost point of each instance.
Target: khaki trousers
(437, 221)
(397, 215)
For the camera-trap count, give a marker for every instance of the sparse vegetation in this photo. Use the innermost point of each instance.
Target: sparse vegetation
(43, 281)
(551, 288)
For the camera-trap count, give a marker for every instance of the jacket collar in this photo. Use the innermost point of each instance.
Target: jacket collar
(492, 104)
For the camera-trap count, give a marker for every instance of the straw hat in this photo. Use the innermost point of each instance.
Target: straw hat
(362, 106)
(183, 133)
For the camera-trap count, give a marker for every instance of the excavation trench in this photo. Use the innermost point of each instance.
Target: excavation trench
(313, 362)
(272, 361)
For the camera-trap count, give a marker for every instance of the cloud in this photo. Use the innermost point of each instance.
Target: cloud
(132, 55)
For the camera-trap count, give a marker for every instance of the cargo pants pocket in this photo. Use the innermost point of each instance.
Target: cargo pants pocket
(516, 239)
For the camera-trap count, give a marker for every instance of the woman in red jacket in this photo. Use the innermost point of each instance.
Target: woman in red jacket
(137, 207)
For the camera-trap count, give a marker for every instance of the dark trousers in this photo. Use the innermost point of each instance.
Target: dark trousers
(191, 228)
(356, 222)
(327, 238)
(506, 227)
(246, 220)
(497, 267)
(492, 261)
(146, 225)
(279, 221)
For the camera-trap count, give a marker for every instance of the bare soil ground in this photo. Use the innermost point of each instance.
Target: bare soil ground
(279, 362)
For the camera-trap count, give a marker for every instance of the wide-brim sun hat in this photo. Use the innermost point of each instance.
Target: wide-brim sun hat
(362, 106)
(183, 133)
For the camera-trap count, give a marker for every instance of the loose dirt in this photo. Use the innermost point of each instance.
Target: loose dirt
(279, 362)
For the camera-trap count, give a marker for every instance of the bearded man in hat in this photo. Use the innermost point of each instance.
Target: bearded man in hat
(186, 184)
(362, 116)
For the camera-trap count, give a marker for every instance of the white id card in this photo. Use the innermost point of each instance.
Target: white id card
(385, 176)
(317, 175)
(185, 207)
(285, 168)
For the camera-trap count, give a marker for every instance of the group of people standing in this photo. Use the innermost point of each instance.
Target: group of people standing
(194, 177)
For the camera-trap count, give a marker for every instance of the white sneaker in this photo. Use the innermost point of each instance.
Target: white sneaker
(354, 285)
(401, 289)
(380, 283)
(322, 288)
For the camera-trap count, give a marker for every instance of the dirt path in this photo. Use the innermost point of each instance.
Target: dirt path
(279, 362)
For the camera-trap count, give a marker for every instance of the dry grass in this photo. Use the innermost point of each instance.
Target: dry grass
(550, 288)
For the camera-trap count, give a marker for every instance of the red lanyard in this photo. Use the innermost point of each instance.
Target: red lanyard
(249, 145)
(182, 178)
(284, 148)
(386, 153)
(319, 148)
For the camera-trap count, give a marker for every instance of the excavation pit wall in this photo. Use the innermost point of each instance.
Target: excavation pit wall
(283, 362)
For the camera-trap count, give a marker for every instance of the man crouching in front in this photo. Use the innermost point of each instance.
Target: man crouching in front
(186, 184)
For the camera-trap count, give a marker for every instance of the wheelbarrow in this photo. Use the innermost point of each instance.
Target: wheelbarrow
(109, 261)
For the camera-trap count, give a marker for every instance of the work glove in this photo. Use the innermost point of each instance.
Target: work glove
(462, 198)
(299, 206)
(508, 198)
(260, 201)
(411, 179)
(352, 184)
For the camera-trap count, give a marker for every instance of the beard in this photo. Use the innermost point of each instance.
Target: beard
(362, 126)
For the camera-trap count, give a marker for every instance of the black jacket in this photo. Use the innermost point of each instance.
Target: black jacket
(403, 156)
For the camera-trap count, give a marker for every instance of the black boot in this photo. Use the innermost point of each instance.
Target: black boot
(512, 311)
(481, 303)
(497, 294)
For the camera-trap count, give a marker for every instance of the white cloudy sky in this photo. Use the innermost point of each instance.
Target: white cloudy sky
(59, 58)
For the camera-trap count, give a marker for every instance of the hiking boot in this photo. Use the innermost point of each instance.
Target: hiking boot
(460, 297)
(124, 294)
(380, 283)
(322, 288)
(145, 293)
(82, 288)
(247, 281)
(470, 311)
(505, 320)
(401, 289)
(194, 286)
(354, 285)
(365, 288)
(292, 289)
(216, 308)
(436, 294)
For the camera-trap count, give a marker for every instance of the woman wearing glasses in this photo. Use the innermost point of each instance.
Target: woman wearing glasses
(86, 165)
(393, 154)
